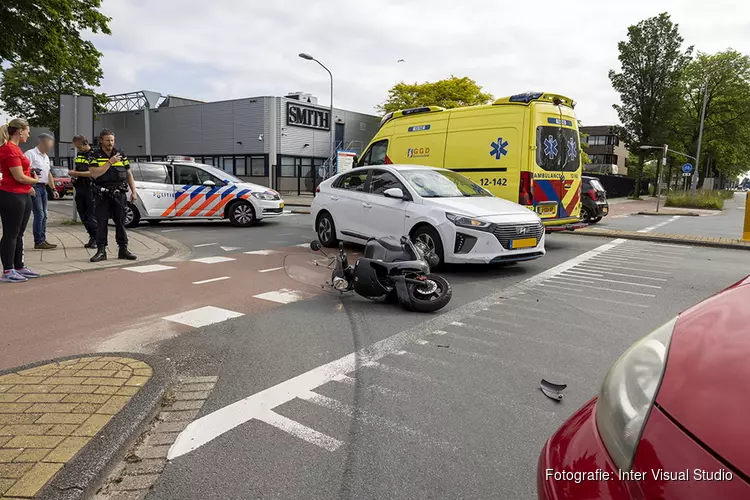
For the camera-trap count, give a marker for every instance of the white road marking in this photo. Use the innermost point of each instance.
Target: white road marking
(586, 278)
(557, 280)
(205, 245)
(439, 332)
(421, 342)
(212, 260)
(603, 268)
(630, 256)
(211, 280)
(457, 323)
(203, 316)
(585, 273)
(170, 230)
(261, 252)
(345, 379)
(149, 269)
(369, 418)
(303, 245)
(553, 321)
(230, 249)
(618, 302)
(283, 296)
(301, 431)
(270, 270)
(647, 251)
(622, 260)
(567, 289)
(645, 244)
(656, 226)
(209, 427)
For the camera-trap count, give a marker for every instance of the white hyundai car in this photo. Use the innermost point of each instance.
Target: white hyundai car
(460, 220)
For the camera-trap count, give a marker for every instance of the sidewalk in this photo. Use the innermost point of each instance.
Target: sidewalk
(70, 256)
(65, 423)
(291, 200)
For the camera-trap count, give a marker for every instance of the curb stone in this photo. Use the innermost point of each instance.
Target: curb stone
(300, 211)
(83, 475)
(667, 214)
(666, 238)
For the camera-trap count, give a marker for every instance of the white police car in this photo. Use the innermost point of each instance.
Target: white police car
(181, 189)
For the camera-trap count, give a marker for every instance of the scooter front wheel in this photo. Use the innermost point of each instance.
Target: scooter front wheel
(432, 294)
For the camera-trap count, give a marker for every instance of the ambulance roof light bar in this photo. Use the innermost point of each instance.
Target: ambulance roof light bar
(410, 111)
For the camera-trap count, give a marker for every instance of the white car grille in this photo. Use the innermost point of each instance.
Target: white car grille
(507, 232)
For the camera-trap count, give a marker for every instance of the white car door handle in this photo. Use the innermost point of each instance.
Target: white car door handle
(335, 198)
(367, 205)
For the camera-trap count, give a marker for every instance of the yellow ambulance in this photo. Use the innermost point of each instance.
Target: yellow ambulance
(523, 148)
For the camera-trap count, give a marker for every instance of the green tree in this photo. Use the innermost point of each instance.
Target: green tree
(652, 62)
(726, 131)
(583, 140)
(451, 92)
(40, 31)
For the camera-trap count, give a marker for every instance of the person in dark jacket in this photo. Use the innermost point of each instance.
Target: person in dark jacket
(84, 186)
(112, 180)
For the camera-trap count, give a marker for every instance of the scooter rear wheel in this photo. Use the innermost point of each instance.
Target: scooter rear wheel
(431, 296)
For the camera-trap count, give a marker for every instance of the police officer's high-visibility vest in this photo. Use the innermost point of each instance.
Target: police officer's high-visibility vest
(116, 175)
(82, 163)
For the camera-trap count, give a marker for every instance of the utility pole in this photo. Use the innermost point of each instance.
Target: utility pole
(700, 139)
(659, 169)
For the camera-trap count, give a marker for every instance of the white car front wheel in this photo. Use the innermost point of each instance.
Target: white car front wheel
(431, 239)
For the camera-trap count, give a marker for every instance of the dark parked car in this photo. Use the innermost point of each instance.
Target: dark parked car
(594, 204)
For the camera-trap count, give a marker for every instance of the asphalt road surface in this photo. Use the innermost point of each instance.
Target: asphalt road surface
(328, 397)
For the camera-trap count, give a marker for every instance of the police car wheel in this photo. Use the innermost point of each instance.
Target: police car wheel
(242, 214)
(132, 217)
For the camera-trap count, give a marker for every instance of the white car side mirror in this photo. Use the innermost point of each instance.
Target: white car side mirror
(394, 193)
(209, 183)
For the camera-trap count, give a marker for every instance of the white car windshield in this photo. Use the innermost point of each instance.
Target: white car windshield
(442, 184)
(224, 176)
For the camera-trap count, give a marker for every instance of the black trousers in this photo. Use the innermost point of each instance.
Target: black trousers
(86, 210)
(110, 206)
(15, 210)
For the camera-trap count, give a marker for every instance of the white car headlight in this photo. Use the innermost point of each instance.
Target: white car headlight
(267, 195)
(628, 392)
(466, 221)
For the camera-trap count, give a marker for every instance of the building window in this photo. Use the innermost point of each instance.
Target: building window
(596, 140)
(239, 166)
(305, 167)
(258, 166)
(227, 164)
(288, 167)
(208, 160)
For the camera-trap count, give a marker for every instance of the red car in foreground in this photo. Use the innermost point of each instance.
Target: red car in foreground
(672, 419)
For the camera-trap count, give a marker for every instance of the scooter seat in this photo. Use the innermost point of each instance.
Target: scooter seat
(386, 249)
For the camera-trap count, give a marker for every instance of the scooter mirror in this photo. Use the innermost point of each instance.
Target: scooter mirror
(314, 246)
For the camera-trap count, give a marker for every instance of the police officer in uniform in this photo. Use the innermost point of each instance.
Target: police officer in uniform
(84, 187)
(112, 179)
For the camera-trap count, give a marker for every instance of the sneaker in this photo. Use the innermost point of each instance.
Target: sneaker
(44, 246)
(11, 277)
(27, 273)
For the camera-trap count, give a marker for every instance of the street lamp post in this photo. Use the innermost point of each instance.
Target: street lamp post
(694, 185)
(308, 57)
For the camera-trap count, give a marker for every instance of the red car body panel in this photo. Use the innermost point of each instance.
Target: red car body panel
(702, 396)
(66, 186)
(705, 385)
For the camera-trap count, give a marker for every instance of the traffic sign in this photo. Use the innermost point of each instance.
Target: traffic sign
(687, 168)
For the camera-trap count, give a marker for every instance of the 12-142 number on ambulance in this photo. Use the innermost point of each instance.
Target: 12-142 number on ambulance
(498, 181)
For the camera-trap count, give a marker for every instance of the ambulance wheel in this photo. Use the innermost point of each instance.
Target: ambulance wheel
(132, 217)
(241, 214)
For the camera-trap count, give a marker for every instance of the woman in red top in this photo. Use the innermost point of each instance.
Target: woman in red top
(15, 200)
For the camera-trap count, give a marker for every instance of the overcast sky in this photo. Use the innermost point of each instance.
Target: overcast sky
(226, 49)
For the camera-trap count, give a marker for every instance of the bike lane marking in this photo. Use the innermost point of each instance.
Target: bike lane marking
(257, 406)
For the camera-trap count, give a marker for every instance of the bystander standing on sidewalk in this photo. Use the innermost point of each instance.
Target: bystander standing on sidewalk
(84, 187)
(41, 167)
(15, 200)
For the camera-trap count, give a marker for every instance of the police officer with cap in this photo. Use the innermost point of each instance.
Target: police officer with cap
(84, 187)
(112, 179)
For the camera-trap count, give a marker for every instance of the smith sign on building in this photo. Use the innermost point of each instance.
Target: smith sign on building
(302, 116)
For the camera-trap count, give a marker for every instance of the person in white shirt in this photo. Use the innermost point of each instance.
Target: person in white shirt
(40, 165)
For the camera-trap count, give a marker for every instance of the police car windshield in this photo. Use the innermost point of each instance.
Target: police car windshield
(224, 176)
(442, 184)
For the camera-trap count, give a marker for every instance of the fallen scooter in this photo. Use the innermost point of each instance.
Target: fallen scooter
(394, 270)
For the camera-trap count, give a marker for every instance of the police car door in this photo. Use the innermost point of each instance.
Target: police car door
(155, 190)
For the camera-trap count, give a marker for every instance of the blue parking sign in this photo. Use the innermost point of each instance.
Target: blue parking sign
(687, 168)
